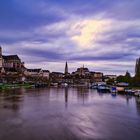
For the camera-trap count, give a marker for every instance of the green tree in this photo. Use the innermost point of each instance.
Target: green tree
(110, 82)
(137, 68)
(126, 78)
(136, 78)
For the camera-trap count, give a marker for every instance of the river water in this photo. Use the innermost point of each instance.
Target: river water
(68, 114)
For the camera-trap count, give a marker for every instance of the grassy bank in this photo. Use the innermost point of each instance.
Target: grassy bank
(14, 86)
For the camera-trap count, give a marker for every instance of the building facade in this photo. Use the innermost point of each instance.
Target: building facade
(11, 63)
(37, 75)
(11, 68)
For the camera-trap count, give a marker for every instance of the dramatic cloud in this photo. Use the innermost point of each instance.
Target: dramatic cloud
(102, 34)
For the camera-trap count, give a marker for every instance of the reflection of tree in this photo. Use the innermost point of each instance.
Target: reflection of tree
(138, 105)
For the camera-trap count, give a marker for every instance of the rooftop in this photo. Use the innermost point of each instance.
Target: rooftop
(33, 70)
(11, 57)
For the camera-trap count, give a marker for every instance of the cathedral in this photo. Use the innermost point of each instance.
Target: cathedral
(10, 63)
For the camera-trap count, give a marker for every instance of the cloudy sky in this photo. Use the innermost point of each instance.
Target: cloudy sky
(104, 35)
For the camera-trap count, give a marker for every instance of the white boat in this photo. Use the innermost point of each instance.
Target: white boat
(54, 84)
(64, 84)
(130, 91)
(103, 88)
(122, 87)
(93, 86)
(137, 93)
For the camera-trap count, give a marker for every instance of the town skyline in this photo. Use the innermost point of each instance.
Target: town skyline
(101, 34)
(70, 69)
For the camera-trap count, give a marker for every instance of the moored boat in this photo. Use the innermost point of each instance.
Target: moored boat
(64, 85)
(103, 88)
(137, 93)
(121, 87)
(93, 86)
(113, 89)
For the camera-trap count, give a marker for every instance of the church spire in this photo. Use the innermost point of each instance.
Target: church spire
(66, 68)
(83, 66)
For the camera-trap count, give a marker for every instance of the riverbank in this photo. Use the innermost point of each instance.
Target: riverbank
(14, 86)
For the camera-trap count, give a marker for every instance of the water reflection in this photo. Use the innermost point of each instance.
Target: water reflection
(11, 99)
(66, 97)
(138, 104)
(68, 113)
(128, 98)
(82, 94)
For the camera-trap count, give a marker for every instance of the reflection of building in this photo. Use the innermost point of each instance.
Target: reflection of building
(82, 94)
(66, 97)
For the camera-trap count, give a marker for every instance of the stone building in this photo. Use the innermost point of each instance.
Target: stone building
(110, 77)
(37, 75)
(11, 63)
(11, 68)
(82, 72)
(57, 77)
(96, 76)
(34, 72)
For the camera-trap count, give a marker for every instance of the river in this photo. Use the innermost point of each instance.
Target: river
(68, 114)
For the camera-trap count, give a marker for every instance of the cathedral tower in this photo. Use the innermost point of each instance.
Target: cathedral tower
(66, 69)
